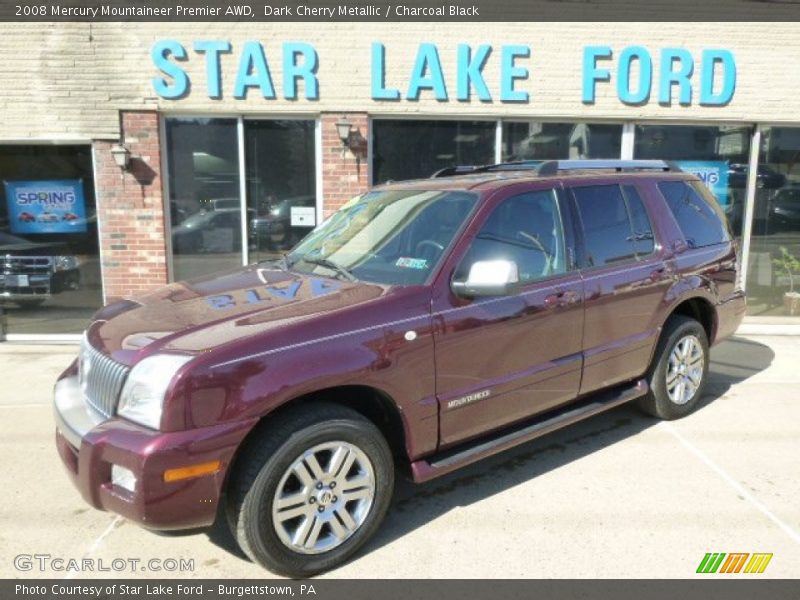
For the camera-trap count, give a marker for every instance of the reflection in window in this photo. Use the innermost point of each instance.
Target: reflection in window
(609, 233)
(525, 229)
(417, 149)
(696, 217)
(205, 213)
(773, 279)
(392, 237)
(536, 140)
(281, 185)
(50, 273)
(718, 155)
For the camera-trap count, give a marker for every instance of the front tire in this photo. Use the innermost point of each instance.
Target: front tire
(679, 371)
(310, 489)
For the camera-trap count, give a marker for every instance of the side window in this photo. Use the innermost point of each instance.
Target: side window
(643, 238)
(526, 229)
(607, 229)
(699, 222)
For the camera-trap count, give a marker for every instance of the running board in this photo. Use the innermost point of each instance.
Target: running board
(473, 451)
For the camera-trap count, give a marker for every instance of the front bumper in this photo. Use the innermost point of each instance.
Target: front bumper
(89, 445)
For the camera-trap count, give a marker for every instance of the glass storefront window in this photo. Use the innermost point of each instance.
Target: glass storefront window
(536, 140)
(49, 256)
(773, 277)
(281, 185)
(416, 149)
(717, 154)
(204, 200)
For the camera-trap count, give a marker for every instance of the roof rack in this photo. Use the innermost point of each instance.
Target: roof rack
(552, 167)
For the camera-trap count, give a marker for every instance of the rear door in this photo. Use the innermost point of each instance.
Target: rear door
(625, 279)
(502, 359)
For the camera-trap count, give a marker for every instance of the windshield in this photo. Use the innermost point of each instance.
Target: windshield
(390, 237)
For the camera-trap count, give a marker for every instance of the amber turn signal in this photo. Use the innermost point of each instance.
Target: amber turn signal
(180, 473)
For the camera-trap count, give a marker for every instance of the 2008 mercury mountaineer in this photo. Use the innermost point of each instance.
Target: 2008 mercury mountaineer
(425, 325)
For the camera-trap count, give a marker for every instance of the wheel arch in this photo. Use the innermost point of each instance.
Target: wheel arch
(373, 404)
(699, 308)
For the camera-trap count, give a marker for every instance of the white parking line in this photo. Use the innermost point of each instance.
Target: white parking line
(96, 544)
(732, 482)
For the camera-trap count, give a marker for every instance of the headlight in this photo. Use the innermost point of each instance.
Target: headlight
(142, 398)
(65, 263)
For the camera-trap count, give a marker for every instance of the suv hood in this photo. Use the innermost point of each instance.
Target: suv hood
(203, 314)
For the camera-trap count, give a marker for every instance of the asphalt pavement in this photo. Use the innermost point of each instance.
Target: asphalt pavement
(620, 495)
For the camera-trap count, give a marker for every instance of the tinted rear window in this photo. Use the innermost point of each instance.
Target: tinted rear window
(699, 221)
(609, 233)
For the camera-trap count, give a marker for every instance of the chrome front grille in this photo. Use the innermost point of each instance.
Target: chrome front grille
(101, 379)
(26, 264)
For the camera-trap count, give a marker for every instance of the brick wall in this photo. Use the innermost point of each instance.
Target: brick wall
(131, 210)
(344, 174)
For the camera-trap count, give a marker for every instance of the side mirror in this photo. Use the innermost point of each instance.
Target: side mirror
(489, 278)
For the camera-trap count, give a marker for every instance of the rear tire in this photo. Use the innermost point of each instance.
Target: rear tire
(679, 371)
(310, 489)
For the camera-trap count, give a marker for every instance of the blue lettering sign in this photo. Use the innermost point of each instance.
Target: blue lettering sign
(626, 58)
(712, 58)
(253, 72)
(592, 73)
(379, 89)
(470, 72)
(670, 77)
(509, 73)
(180, 80)
(212, 49)
(427, 74)
(306, 70)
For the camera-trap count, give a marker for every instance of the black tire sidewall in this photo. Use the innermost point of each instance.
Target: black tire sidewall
(677, 329)
(255, 518)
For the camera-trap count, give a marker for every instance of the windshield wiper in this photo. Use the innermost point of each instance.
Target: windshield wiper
(325, 262)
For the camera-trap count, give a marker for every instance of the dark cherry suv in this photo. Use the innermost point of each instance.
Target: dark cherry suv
(425, 325)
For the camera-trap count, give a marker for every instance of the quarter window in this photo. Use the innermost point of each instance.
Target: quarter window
(615, 225)
(699, 222)
(643, 239)
(526, 229)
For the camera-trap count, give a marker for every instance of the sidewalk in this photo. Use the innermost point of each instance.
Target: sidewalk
(619, 495)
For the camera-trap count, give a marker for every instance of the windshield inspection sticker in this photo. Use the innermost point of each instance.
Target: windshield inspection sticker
(411, 263)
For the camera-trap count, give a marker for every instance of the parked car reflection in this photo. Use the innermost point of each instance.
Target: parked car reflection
(211, 231)
(272, 229)
(31, 272)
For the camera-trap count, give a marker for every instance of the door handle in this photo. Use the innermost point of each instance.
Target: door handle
(561, 299)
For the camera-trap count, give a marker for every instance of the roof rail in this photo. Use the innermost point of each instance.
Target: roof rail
(506, 166)
(552, 167)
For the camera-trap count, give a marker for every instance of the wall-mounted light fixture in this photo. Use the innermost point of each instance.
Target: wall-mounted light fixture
(122, 156)
(343, 127)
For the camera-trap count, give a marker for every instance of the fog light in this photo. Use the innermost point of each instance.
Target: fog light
(124, 478)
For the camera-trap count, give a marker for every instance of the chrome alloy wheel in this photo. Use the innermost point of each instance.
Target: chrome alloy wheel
(685, 369)
(323, 497)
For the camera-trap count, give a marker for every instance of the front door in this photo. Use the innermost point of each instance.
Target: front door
(501, 359)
